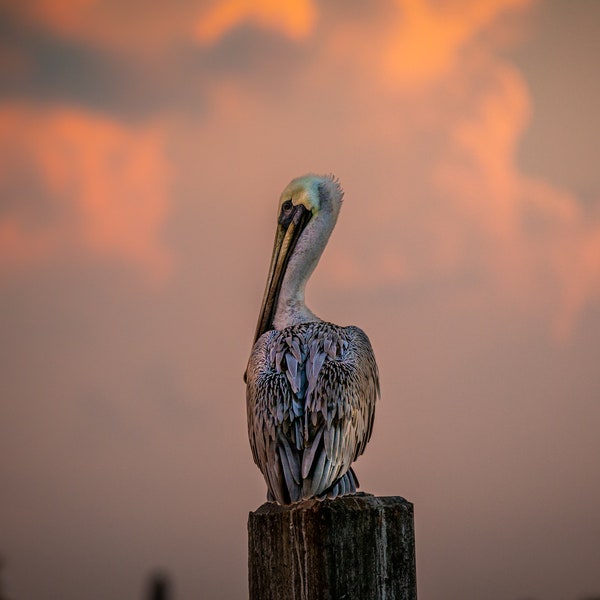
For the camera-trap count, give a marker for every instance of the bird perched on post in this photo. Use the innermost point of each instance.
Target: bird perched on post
(311, 385)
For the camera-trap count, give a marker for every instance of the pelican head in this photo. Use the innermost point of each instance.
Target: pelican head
(308, 210)
(311, 191)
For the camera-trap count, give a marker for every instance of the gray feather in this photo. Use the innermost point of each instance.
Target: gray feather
(317, 477)
(292, 460)
(309, 454)
(311, 392)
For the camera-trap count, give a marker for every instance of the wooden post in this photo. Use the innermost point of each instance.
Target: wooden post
(357, 547)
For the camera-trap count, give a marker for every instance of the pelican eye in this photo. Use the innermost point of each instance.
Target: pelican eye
(290, 212)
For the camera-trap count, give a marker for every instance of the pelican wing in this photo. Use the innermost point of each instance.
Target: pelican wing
(311, 401)
(340, 406)
(274, 424)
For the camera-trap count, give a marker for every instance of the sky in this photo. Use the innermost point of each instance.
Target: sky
(143, 148)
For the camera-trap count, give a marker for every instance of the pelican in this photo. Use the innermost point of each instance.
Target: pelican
(311, 385)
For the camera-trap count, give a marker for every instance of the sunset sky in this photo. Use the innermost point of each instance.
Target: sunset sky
(143, 148)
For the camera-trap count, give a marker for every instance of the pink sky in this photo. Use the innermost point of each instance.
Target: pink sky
(142, 153)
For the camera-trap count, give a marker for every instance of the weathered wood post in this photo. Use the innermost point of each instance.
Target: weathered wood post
(358, 547)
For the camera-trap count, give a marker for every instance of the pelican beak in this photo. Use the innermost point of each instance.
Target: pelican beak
(289, 229)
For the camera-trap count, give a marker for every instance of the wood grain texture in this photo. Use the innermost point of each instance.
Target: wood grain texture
(353, 547)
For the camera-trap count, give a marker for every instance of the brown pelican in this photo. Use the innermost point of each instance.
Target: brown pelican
(311, 385)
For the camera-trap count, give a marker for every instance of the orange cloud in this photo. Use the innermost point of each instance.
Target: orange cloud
(478, 169)
(428, 38)
(415, 74)
(61, 15)
(578, 267)
(479, 217)
(532, 238)
(98, 187)
(114, 26)
(294, 19)
(421, 41)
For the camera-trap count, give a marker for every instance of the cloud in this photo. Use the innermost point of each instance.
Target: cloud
(416, 93)
(77, 182)
(295, 19)
(410, 44)
(153, 26)
(463, 210)
(428, 37)
(534, 240)
(142, 28)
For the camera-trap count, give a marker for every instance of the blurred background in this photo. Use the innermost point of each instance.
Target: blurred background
(143, 148)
